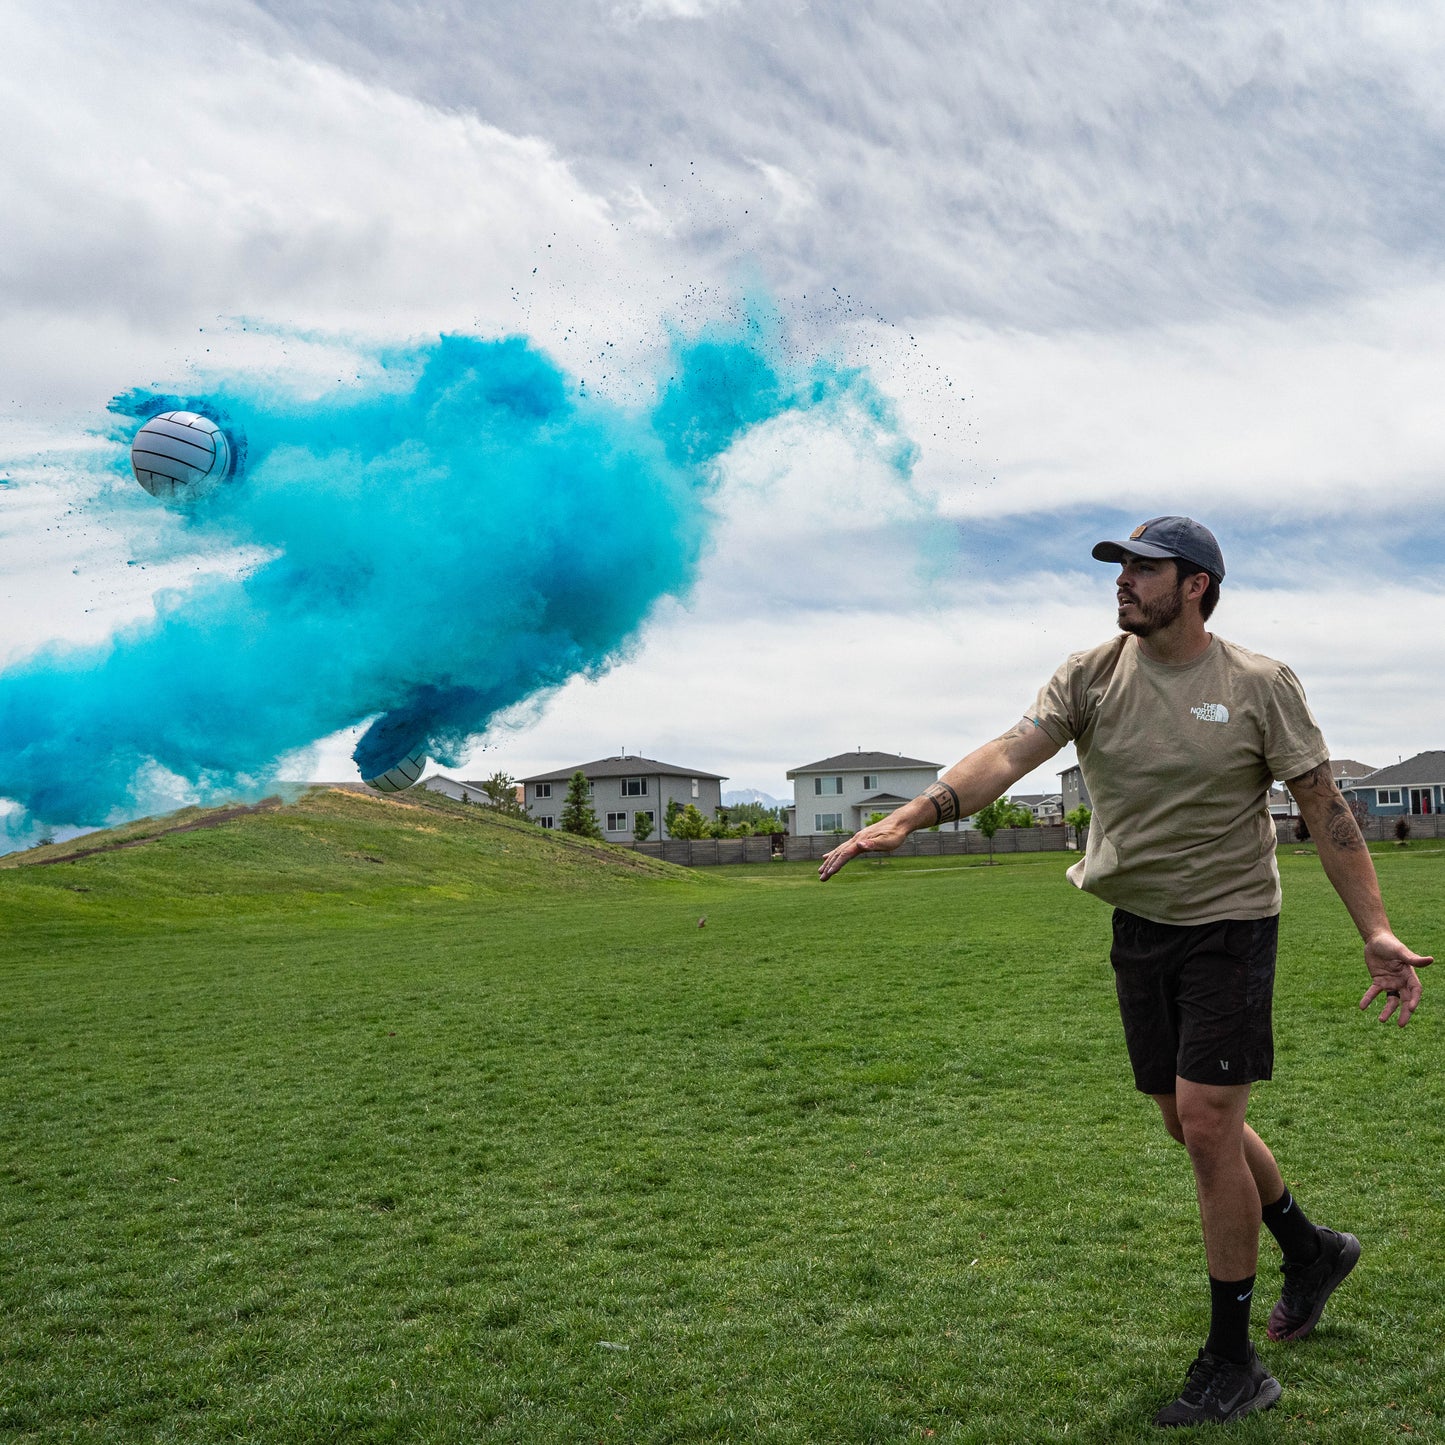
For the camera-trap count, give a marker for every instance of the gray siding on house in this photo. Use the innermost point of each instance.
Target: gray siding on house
(886, 788)
(614, 803)
(1071, 782)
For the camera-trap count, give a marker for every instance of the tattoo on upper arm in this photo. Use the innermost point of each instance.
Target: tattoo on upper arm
(1340, 826)
(1319, 778)
(944, 800)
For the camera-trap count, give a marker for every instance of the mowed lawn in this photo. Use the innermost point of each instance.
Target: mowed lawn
(349, 1122)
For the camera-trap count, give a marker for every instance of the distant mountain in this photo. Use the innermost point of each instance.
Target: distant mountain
(752, 795)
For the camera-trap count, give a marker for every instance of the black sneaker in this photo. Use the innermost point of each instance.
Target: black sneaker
(1308, 1286)
(1218, 1390)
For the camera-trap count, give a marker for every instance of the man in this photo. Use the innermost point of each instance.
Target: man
(1179, 734)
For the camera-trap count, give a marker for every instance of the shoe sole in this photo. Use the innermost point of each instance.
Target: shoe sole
(1266, 1399)
(1349, 1258)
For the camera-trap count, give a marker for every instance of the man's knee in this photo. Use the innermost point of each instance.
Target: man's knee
(1169, 1113)
(1211, 1123)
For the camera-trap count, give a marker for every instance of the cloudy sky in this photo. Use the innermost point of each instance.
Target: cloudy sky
(1110, 261)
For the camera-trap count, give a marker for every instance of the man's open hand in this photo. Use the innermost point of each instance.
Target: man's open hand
(1392, 973)
(878, 838)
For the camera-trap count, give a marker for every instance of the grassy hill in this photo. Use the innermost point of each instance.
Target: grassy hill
(329, 847)
(489, 1141)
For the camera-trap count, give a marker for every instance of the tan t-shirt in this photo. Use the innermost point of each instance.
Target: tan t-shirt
(1178, 762)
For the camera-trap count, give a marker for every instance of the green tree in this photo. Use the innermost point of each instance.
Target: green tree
(1020, 815)
(990, 819)
(758, 818)
(874, 818)
(641, 827)
(577, 814)
(689, 823)
(670, 816)
(501, 793)
(1079, 819)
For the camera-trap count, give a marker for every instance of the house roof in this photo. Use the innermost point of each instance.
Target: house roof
(1423, 768)
(890, 798)
(1349, 768)
(629, 765)
(861, 762)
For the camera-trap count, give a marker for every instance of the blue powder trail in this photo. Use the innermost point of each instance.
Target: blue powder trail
(467, 532)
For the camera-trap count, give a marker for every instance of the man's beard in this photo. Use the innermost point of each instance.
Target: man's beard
(1155, 615)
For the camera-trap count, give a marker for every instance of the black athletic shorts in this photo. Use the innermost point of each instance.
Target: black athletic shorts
(1196, 999)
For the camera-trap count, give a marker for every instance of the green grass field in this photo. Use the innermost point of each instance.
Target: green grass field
(362, 1122)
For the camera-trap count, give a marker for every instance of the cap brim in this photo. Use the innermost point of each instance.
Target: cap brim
(1117, 551)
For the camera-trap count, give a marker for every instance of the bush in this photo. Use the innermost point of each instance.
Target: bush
(688, 822)
(1301, 830)
(1402, 830)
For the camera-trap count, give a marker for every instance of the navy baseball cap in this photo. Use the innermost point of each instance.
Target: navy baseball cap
(1180, 537)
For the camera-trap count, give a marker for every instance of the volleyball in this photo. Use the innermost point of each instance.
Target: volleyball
(401, 777)
(180, 454)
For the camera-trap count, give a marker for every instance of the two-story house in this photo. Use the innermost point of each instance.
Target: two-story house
(1072, 791)
(839, 794)
(1415, 786)
(622, 787)
(1047, 808)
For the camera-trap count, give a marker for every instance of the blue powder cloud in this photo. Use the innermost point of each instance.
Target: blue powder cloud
(465, 533)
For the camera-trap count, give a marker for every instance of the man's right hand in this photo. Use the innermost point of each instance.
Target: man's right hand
(881, 837)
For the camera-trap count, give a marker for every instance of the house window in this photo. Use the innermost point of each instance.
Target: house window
(617, 822)
(828, 787)
(541, 790)
(870, 780)
(827, 822)
(648, 814)
(546, 821)
(1387, 797)
(634, 787)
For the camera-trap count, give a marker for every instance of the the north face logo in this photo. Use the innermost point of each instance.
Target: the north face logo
(1211, 712)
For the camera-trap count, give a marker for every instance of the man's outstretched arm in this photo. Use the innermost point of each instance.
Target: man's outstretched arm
(1349, 867)
(970, 784)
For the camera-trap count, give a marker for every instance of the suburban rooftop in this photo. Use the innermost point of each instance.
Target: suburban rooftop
(861, 762)
(625, 765)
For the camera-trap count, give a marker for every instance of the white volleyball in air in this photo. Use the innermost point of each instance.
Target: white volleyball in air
(402, 776)
(180, 454)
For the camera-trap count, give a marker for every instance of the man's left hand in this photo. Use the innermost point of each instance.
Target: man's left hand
(1392, 973)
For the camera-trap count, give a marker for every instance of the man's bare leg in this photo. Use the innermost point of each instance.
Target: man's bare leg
(1267, 1178)
(1211, 1117)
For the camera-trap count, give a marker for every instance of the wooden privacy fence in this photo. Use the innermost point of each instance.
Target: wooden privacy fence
(1378, 827)
(709, 852)
(706, 852)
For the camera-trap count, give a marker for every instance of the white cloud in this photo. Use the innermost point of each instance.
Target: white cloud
(1307, 414)
(148, 200)
(635, 11)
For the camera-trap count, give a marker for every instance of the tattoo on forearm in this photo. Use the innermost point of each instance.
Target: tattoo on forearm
(1343, 831)
(944, 800)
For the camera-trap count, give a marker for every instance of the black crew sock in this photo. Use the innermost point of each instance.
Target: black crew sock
(1297, 1238)
(1229, 1302)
